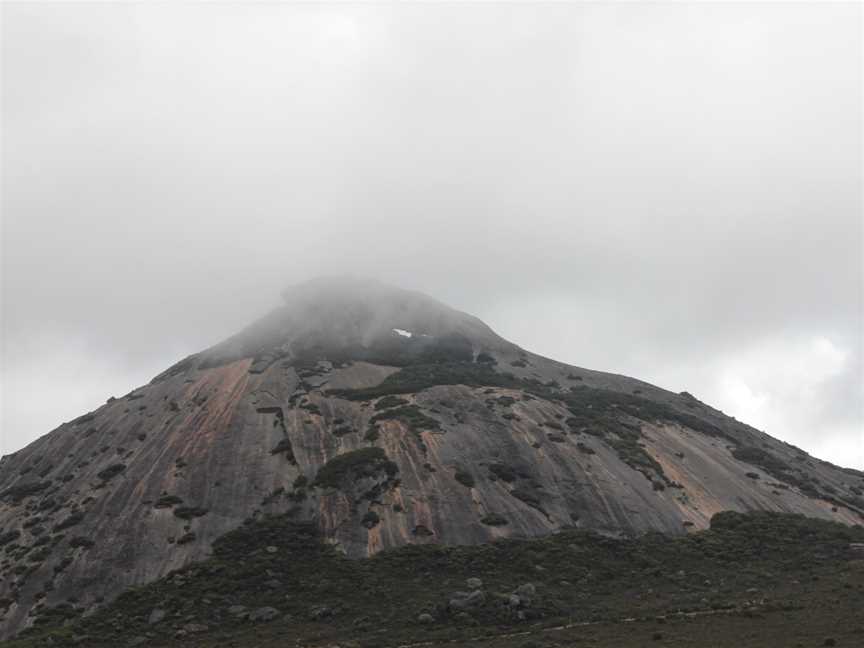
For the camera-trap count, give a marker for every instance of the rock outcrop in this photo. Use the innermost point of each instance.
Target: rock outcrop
(388, 418)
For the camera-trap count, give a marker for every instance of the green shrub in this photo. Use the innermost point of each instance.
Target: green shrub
(312, 408)
(167, 501)
(9, 536)
(494, 519)
(759, 457)
(584, 449)
(465, 478)
(189, 512)
(415, 378)
(69, 521)
(503, 472)
(186, 538)
(370, 520)
(411, 415)
(18, 492)
(530, 496)
(357, 464)
(81, 541)
(284, 447)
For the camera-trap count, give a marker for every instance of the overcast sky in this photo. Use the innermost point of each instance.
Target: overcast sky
(672, 192)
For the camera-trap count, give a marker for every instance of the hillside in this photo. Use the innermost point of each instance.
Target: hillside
(757, 579)
(380, 418)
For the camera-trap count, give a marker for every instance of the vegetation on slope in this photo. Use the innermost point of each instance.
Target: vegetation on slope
(611, 415)
(353, 466)
(593, 411)
(272, 582)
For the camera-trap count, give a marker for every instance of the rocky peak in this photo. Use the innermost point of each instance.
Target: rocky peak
(343, 318)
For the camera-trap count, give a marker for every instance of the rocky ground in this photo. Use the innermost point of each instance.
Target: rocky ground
(760, 579)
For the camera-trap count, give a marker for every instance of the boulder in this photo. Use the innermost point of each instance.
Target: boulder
(474, 583)
(156, 616)
(523, 595)
(426, 619)
(263, 614)
(467, 600)
(320, 612)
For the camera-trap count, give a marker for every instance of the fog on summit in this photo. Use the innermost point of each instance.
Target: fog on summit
(671, 192)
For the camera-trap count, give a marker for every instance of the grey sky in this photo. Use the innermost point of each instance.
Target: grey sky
(670, 191)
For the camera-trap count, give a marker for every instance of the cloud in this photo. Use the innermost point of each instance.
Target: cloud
(789, 389)
(666, 191)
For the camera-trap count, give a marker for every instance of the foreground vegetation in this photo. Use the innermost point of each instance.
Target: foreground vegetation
(751, 580)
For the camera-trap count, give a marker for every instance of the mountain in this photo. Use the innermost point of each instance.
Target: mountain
(383, 418)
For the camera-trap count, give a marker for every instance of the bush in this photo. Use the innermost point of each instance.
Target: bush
(167, 501)
(284, 447)
(312, 408)
(189, 512)
(110, 472)
(81, 541)
(411, 415)
(9, 536)
(70, 521)
(503, 472)
(357, 464)
(494, 519)
(17, 493)
(530, 496)
(584, 449)
(465, 478)
(415, 378)
(186, 538)
(370, 520)
(759, 457)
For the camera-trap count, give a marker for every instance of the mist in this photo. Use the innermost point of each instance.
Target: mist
(668, 191)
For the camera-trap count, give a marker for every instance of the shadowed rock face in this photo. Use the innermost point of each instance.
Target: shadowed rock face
(388, 418)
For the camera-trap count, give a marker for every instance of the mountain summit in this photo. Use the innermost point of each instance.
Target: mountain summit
(385, 418)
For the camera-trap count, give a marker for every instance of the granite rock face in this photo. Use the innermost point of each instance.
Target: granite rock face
(388, 418)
